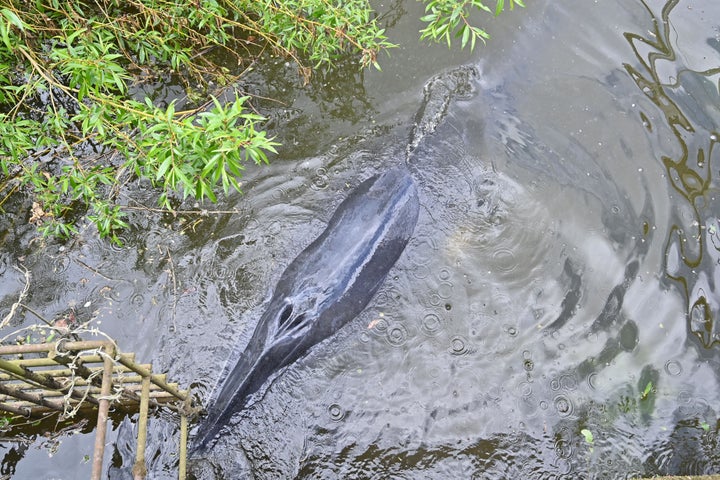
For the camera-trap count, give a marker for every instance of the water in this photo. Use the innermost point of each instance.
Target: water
(562, 276)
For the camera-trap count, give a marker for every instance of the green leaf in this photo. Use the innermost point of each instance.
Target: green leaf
(13, 19)
(646, 392)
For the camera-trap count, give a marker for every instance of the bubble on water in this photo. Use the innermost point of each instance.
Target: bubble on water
(336, 413)
(431, 325)
(673, 367)
(458, 346)
(397, 335)
(563, 405)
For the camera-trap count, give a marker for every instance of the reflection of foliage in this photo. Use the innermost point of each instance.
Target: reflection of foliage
(627, 404)
(690, 172)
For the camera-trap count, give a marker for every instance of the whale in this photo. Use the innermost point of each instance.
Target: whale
(327, 285)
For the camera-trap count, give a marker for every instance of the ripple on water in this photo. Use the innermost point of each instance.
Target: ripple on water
(397, 335)
(563, 405)
(320, 180)
(336, 412)
(431, 325)
(673, 367)
(459, 346)
(504, 260)
(61, 263)
(506, 232)
(445, 290)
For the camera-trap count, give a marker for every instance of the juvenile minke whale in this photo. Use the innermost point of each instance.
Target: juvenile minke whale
(326, 286)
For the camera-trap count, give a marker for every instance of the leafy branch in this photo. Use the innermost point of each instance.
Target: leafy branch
(448, 19)
(72, 132)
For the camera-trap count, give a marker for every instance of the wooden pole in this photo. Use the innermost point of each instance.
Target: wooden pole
(182, 469)
(102, 420)
(139, 469)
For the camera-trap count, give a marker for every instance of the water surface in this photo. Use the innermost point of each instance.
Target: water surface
(561, 280)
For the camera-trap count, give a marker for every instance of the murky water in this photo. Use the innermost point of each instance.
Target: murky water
(561, 280)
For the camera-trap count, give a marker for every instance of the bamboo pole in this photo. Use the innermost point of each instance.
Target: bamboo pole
(22, 411)
(102, 421)
(45, 381)
(47, 347)
(35, 398)
(182, 469)
(139, 469)
(156, 379)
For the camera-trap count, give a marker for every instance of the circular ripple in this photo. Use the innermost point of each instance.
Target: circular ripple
(61, 263)
(563, 405)
(591, 379)
(431, 325)
(137, 299)
(445, 290)
(397, 335)
(434, 299)
(568, 382)
(504, 260)
(421, 272)
(458, 346)
(336, 413)
(319, 183)
(673, 368)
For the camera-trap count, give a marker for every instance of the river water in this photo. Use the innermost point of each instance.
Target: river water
(555, 314)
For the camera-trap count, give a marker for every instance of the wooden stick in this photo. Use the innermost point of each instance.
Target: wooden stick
(139, 469)
(102, 421)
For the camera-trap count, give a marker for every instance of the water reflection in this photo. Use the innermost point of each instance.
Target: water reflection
(685, 92)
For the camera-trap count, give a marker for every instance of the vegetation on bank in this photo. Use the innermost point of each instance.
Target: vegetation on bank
(75, 126)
